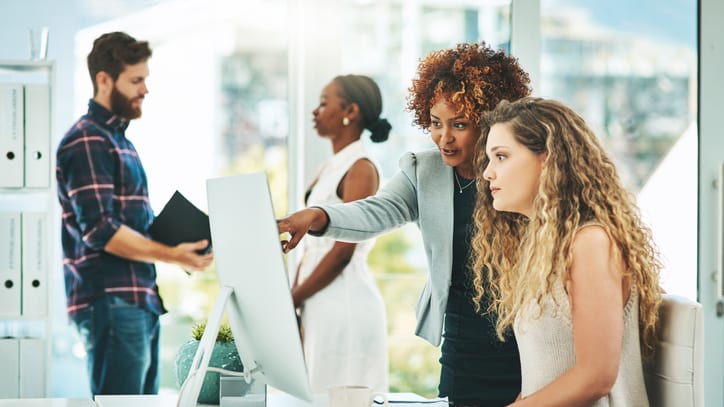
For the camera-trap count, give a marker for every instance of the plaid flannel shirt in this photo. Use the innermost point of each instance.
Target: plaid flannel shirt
(102, 185)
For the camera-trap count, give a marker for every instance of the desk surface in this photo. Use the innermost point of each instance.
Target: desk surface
(273, 400)
(47, 403)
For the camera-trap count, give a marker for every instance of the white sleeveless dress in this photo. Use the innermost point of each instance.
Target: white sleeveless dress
(345, 336)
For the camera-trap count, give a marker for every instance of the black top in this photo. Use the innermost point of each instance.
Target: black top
(477, 369)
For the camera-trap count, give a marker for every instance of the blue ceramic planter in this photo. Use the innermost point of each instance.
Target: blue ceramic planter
(224, 356)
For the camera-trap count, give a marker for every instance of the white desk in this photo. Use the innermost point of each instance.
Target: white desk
(47, 403)
(273, 400)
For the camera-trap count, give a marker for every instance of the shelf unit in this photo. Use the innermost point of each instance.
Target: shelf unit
(27, 241)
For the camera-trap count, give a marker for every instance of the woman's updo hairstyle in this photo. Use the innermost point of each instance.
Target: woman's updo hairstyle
(363, 91)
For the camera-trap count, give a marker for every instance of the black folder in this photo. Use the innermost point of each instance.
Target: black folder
(181, 222)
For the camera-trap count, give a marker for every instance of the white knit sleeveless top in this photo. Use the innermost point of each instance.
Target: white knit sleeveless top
(546, 349)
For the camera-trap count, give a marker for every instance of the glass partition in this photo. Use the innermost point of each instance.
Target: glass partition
(385, 40)
(630, 69)
(223, 74)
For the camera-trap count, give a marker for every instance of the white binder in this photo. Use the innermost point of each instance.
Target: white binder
(34, 275)
(9, 373)
(32, 368)
(10, 264)
(11, 135)
(37, 136)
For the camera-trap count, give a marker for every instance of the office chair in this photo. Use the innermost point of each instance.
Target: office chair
(675, 375)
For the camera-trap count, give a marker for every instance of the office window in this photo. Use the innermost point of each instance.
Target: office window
(221, 76)
(217, 106)
(630, 70)
(385, 40)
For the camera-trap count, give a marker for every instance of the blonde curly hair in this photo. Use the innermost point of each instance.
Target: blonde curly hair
(520, 260)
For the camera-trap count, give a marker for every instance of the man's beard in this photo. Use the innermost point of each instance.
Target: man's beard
(123, 106)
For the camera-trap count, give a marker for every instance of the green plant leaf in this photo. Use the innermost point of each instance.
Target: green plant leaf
(224, 335)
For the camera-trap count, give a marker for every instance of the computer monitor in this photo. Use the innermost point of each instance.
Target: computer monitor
(254, 290)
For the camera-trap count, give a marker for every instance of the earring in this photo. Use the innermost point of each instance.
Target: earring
(345, 121)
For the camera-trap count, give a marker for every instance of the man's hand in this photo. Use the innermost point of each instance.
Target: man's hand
(186, 256)
(129, 244)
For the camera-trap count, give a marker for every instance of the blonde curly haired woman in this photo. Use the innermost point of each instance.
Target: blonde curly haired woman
(568, 262)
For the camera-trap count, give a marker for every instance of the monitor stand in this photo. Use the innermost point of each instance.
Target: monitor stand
(191, 387)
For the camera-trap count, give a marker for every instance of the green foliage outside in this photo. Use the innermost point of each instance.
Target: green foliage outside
(414, 365)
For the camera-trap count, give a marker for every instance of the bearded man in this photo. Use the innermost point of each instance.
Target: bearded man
(108, 256)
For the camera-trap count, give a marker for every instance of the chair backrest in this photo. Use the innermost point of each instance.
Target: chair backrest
(674, 377)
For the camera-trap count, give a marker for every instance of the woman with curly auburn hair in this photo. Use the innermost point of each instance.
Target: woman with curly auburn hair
(436, 190)
(562, 251)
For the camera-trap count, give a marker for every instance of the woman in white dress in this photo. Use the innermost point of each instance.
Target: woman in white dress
(342, 312)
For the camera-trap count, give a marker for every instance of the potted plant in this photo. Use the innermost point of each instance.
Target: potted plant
(224, 356)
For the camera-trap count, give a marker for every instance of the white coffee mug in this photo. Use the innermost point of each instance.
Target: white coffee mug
(354, 396)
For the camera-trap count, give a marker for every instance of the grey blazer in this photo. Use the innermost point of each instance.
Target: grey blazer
(422, 192)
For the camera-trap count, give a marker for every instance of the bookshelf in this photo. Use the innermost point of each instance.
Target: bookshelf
(27, 241)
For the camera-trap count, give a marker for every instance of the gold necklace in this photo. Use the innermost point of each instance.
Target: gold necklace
(460, 187)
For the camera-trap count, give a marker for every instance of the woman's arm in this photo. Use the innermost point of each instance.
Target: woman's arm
(326, 271)
(360, 182)
(595, 291)
(394, 205)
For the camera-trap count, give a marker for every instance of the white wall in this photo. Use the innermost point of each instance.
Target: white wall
(63, 19)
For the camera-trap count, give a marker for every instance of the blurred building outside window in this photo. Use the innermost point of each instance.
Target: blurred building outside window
(630, 70)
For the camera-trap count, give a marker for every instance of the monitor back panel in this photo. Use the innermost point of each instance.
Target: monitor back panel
(249, 259)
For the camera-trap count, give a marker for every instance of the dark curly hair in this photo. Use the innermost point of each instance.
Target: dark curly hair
(471, 76)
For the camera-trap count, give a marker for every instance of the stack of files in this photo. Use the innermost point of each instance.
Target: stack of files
(32, 369)
(12, 135)
(23, 368)
(24, 135)
(10, 373)
(34, 264)
(37, 136)
(23, 264)
(10, 264)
